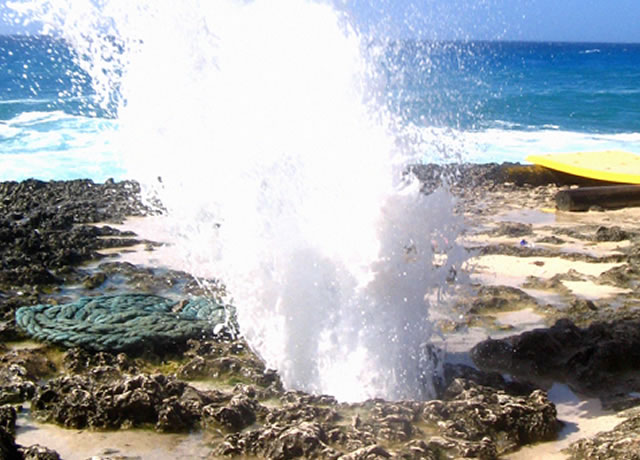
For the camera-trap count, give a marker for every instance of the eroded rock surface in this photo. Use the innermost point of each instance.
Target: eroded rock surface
(471, 421)
(599, 359)
(621, 443)
(84, 402)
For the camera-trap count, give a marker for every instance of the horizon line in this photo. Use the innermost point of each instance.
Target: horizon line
(432, 40)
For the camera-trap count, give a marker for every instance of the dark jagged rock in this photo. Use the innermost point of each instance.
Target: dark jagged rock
(500, 298)
(80, 402)
(528, 251)
(513, 229)
(614, 233)
(470, 421)
(593, 359)
(466, 175)
(473, 412)
(8, 417)
(238, 414)
(78, 360)
(493, 380)
(38, 452)
(44, 236)
(305, 440)
(623, 276)
(8, 448)
(552, 239)
(621, 443)
(76, 201)
(152, 280)
(19, 372)
(233, 360)
(376, 452)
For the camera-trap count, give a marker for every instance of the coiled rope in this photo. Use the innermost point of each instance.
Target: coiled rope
(125, 321)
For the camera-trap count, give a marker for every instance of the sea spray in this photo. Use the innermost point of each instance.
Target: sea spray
(259, 127)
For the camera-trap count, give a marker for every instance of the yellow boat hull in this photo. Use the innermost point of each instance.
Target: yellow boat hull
(609, 165)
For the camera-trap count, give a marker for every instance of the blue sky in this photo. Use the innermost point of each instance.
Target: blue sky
(535, 20)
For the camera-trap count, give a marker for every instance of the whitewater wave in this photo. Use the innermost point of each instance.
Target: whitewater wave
(495, 145)
(57, 145)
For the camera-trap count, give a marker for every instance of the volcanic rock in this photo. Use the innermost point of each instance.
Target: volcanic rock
(239, 413)
(38, 452)
(614, 233)
(621, 443)
(81, 401)
(472, 412)
(19, 372)
(8, 447)
(592, 359)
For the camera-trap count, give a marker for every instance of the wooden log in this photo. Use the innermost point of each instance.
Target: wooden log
(606, 197)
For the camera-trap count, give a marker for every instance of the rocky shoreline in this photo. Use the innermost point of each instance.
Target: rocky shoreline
(54, 236)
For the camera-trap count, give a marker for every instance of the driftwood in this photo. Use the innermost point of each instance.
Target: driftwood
(605, 197)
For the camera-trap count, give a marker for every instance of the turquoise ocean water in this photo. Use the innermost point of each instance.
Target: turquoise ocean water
(475, 101)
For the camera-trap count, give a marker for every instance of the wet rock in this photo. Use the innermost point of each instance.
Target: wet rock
(43, 239)
(470, 420)
(8, 417)
(538, 251)
(153, 280)
(81, 401)
(240, 413)
(500, 298)
(614, 233)
(555, 283)
(78, 360)
(625, 276)
(620, 401)
(8, 448)
(376, 452)
(493, 380)
(75, 201)
(498, 421)
(621, 443)
(550, 240)
(94, 281)
(232, 360)
(38, 452)
(582, 311)
(513, 229)
(298, 406)
(113, 457)
(306, 440)
(19, 372)
(596, 359)
(579, 233)
(418, 450)
(174, 416)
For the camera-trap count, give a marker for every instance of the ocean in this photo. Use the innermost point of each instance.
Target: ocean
(474, 101)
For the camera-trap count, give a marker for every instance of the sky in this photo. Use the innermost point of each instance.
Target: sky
(529, 20)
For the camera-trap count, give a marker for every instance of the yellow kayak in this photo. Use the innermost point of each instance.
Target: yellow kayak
(609, 165)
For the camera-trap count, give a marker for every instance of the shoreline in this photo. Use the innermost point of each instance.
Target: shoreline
(565, 271)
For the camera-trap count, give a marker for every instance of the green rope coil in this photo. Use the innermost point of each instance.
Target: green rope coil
(125, 321)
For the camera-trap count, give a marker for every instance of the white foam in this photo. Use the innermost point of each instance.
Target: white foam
(56, 145)
(499, 145)
(280, 176)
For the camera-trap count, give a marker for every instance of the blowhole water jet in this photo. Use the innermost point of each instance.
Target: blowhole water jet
(282, 176)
